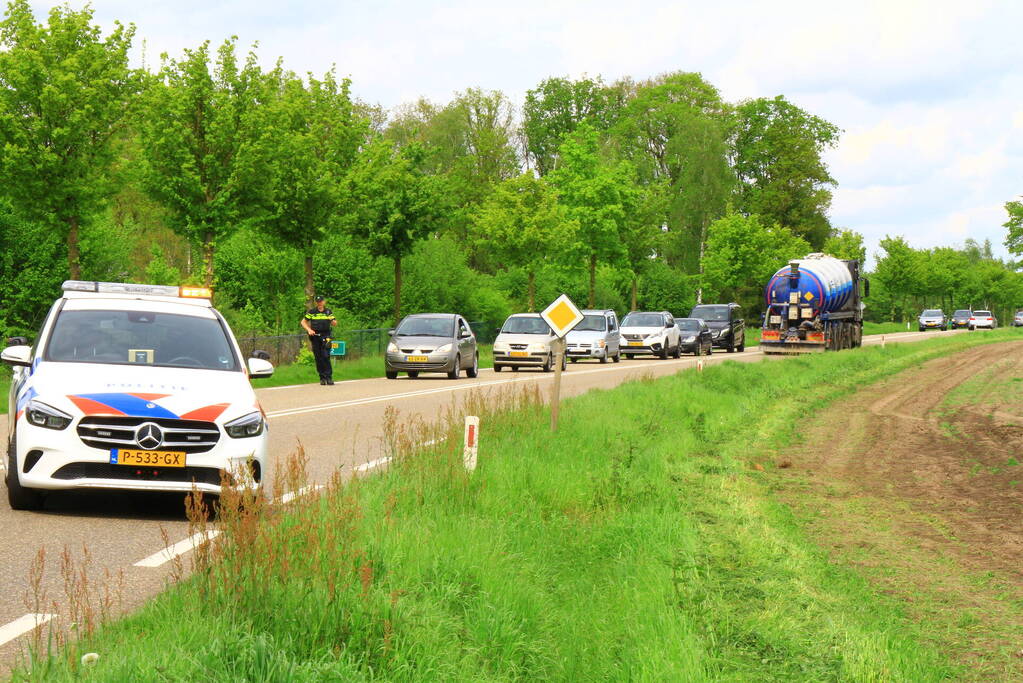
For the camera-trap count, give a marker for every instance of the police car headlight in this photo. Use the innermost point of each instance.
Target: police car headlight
(247, 425)
(443, 349)
(42, 415)
(392, 348)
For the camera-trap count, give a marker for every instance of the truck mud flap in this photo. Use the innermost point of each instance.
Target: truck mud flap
(782, 348)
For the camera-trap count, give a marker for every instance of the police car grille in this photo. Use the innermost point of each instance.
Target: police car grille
(103, 470)
(188, 436)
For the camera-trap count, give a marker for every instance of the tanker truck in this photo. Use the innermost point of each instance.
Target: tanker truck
(814, 304)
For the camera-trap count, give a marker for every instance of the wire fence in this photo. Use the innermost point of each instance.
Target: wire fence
(284, 349)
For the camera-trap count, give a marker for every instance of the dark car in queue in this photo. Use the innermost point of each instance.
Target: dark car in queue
(696, 336)
(432, 342)
(960, 319)
(727, 327)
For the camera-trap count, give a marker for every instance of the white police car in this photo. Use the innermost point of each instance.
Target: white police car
(132, 387)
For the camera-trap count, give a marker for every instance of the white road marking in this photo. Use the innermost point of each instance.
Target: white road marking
(292, 495)
(372, 464)
(179, 548)
(475, 385)
(23, 625)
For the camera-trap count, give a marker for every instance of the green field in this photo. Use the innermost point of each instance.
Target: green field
(639, 542)
(5, 386)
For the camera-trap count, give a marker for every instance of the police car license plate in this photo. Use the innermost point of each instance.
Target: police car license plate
(416, 359)
(128, 456)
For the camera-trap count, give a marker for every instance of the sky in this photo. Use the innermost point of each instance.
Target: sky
(929, 95)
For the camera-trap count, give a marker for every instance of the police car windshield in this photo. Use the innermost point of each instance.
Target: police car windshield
(715, 313)
(643, 320)
(426, 327)
(592, 323)
(140, 338)
(525, 326)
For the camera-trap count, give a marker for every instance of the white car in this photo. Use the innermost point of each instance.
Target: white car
(654, 333)
(525, 341)
(133, 387)
(983, 319)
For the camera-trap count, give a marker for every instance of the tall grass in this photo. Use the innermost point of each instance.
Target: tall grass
(639, 542)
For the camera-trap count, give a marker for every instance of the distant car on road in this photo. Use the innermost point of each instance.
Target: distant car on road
(983, 319)
(696, 336)
(727, 327)
(646, 332)
(525, 341)
(1017, 320)
(960, 319)
(596, 336)
(932, 319)
(432, 342)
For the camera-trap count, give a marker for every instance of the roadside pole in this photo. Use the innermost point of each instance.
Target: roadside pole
(561, 316)
(556, 391)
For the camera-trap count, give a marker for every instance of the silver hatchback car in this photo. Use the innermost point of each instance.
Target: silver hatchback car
(432, 342)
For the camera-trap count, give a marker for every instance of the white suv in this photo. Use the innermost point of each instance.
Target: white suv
(132, 387)
(654, 333)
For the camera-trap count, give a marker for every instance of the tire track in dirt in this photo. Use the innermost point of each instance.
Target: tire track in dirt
(923, 497)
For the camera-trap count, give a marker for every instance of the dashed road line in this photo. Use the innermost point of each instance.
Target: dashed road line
(292, 495)
(180, 548)
(23, 625)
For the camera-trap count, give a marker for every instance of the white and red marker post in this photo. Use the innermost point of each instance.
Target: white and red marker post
(471, 443)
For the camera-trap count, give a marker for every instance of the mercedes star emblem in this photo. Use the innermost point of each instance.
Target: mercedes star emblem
(149, 436)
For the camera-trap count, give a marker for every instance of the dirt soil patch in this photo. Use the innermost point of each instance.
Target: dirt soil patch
(918, 482)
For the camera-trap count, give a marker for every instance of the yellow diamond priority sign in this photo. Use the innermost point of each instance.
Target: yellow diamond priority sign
(562, 315)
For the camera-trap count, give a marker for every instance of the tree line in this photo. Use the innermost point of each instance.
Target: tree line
(271, 186)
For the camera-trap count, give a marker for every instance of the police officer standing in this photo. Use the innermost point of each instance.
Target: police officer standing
(317, 323)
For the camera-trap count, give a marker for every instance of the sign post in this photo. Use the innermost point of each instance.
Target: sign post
(471, 443)
(562, 315)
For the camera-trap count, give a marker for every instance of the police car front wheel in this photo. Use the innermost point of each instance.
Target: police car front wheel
(19, 497)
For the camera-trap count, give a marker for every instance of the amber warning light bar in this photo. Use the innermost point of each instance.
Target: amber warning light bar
(184, 291)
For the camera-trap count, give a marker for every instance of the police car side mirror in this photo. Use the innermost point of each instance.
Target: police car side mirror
(261, 355)
(260, 368)
(390, 332)
(17, 341)
(20, 355)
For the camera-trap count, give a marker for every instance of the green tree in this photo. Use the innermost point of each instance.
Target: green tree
(1014, 240)
(199, 132)
(311, 135)
(782, 176)
(846, 244)
(595, 194)
(742, 254)
(674, 130)
(65, 92)
(555, 108)
(522, 225)
(395, 204)
(642, 233)
(898, 271)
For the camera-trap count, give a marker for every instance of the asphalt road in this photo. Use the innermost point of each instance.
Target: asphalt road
(122, 537)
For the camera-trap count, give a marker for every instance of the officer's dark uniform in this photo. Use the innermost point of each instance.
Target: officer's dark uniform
(321, 321)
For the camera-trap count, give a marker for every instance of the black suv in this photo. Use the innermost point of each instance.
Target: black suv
(727, 328)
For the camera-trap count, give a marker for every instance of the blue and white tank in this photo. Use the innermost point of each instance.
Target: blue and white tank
(824, 282)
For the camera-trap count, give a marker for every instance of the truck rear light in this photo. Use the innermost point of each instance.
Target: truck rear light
(770, 334)
(815, 336)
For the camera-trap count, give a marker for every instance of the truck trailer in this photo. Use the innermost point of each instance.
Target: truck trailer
(814, 304)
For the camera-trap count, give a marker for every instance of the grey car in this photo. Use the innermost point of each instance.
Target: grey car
(432, 342)
(596, 336)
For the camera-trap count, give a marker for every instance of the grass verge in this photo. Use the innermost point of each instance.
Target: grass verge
(5, 387)
(641, 541)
